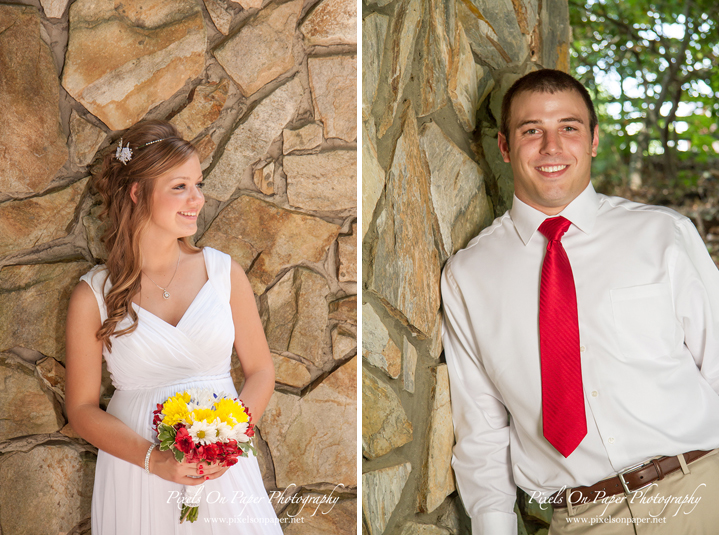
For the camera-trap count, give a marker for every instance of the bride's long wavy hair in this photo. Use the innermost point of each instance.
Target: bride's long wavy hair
(126, 219)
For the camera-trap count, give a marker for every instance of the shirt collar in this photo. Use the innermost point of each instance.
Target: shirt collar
(581, 212)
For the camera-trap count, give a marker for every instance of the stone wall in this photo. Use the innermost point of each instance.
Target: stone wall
(266, 90)
(434, 73)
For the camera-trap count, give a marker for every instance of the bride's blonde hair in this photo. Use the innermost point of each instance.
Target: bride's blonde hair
(126, 219)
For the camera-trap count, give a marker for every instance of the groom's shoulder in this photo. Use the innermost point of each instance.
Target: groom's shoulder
(484, 245)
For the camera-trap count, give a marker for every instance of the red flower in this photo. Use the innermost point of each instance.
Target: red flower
(183, 441)
(212, 451)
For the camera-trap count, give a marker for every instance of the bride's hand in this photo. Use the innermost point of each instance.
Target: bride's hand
(164, 465)
(210, 470)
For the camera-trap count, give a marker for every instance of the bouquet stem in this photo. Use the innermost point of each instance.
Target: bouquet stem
(191, 503)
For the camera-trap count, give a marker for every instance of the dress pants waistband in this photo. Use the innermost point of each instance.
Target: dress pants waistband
(630, 480)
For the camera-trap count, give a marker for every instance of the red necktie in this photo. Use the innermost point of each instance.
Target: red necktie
(563, 417)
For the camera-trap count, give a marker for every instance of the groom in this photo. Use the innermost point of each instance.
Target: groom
(581, 335)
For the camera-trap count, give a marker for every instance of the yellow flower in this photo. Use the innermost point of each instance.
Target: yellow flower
(175, 409)
(230, 412)
(203, 414)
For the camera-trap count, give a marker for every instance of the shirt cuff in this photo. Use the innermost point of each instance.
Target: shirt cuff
(494, 523)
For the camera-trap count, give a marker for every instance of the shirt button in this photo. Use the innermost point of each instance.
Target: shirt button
(611, 440)
(595, 394)
(582, 349)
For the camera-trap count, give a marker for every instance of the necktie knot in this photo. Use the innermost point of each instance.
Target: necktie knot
(554, 228)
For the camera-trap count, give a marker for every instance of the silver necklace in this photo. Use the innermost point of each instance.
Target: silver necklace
(165, 293)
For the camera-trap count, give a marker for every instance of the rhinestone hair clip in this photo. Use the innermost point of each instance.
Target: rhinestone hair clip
(124, 154)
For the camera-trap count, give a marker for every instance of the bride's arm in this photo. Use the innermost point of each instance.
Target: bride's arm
(251, 345)
(82, 397)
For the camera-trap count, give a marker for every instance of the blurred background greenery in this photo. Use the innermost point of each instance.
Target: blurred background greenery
(653, 71)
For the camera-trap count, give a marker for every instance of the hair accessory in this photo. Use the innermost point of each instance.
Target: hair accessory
(151, 142)
(124, 154)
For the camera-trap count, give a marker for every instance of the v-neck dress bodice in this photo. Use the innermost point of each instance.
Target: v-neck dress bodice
(149, 365)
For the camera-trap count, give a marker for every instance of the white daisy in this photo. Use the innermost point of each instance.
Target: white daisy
(238, 432)
(203, 433)
(223, 431)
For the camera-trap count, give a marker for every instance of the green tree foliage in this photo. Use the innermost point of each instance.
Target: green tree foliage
(653, 69)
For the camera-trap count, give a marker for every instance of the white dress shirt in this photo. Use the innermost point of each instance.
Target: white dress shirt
(648, 306)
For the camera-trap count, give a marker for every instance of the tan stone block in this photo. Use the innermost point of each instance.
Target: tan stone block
(264, 178)
(262, 50)
(457, 187)
(156, 47)
(54, 9)
(85, 139)
(437, 53)
(220, 14)
(463, 81)
(32, 143)
(406, 268)
(384, 423)
(203, 109)
(332, 22)
(381, 491)
(38, 220)
(344, 342)
(494, 33)
(324, 181)
(53, 374)
(50, 488)
(251, 140)
(437, 475)
(290, 372)
(325, 519)
(344, 309)
(347, 251)
(305, 138)
(205, 148)
(374, 30)
(412, 528)
(333, 81)
(265, 239)
(409, 365)
(297, 314)
(377, 347)
(397, 60)
(25, 407)
(312, 438)
(33, 305)
(373, 176)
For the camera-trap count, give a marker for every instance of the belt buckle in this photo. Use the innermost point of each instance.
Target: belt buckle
(628, 492)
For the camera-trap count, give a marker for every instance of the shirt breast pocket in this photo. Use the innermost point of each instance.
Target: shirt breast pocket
(645, 320)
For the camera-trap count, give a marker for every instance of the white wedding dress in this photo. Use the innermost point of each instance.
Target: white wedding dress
(148, 366)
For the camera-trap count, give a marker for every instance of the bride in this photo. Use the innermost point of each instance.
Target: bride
(165, 316)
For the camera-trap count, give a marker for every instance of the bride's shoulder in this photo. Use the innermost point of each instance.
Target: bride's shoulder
(97, 278)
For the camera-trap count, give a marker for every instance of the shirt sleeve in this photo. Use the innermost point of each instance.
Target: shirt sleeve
(696, 295)
(481, 455)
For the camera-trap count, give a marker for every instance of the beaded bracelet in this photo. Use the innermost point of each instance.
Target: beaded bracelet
(147, 458)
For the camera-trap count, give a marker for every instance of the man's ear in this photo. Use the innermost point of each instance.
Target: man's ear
(503, 146)
(133, 192)
(595, 141)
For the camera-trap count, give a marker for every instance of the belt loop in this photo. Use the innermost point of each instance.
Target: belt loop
(683, 464)
(570, 508)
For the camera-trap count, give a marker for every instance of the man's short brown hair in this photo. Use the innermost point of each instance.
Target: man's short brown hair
(545, 81)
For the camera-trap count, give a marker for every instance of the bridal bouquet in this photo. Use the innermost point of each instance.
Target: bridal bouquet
(203, 426)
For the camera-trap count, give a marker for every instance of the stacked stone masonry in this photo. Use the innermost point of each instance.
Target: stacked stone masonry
(434, 73)
(265, 90)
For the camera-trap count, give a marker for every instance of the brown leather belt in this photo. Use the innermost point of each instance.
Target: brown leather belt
(625, 482)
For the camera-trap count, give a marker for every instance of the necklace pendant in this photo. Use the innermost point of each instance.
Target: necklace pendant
(166, 294)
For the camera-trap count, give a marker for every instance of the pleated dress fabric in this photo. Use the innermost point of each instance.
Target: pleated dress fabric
(149, 365)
